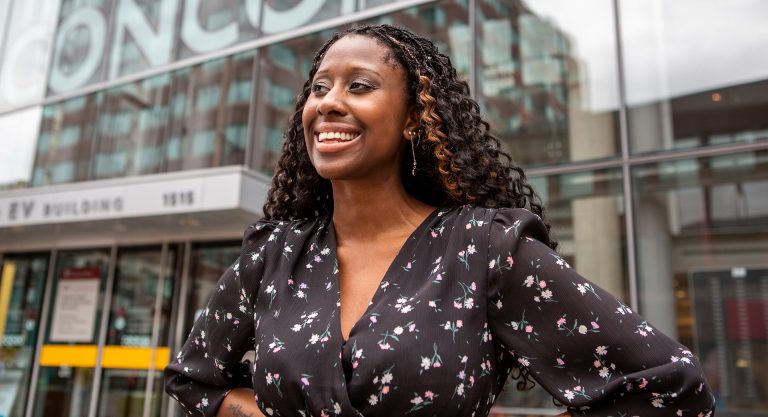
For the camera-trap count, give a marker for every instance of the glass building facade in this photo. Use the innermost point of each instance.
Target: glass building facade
(137, 139)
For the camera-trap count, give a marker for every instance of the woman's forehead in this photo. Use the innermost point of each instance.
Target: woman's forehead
(360, 48)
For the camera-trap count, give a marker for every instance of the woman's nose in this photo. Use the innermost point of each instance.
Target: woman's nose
(332, 102)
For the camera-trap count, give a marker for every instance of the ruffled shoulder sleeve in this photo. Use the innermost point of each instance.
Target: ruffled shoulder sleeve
(585, 347)
(209, 364)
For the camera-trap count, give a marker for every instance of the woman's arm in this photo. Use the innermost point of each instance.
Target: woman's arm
(239, 403)
(587, 349)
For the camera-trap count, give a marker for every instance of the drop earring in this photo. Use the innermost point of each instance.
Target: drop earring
(413, 152)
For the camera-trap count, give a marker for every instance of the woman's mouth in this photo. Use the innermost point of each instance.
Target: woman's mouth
(333, 137)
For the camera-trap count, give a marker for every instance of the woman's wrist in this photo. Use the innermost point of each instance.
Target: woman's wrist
(239, 403)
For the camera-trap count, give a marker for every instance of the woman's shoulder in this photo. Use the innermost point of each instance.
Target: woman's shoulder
(496, 223)
(269, 230)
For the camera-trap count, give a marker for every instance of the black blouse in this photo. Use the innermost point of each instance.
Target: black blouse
(472, 293)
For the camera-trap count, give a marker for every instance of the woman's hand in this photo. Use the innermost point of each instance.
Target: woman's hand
(239, 403)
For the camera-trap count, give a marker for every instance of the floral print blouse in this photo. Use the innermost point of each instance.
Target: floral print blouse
(472, 294)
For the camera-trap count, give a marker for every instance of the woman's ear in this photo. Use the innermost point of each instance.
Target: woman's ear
(412, 124)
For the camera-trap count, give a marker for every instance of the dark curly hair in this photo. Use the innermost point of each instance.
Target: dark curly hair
(459, 160)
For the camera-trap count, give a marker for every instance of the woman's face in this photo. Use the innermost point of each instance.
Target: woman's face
(356, 116)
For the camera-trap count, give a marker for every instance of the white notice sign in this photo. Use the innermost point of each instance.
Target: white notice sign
(77, 297)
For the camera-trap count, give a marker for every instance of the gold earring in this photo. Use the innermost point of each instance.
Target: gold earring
(413, 152)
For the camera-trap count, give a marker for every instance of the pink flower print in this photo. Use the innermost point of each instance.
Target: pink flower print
(468, 226)
(276, 376)
(628, 387)
(436, 365)
(459, 323)
(473, 286)
(560, 362)
(461, 253)
(597, 363)
(542, 284)
(471, 380)
(408, 265)
(412, 327)
(323, 414)
(373, 319)
(385, 389)
(510, 261)
(433, 233)
(290, 281)
(643, 383)
(305, 381)
(461, 375)
(528, 328)
(458, 304)
(595, 325)
(317, 258)
(561, 321)
(429, 395)
(355, 364)
(384, 346)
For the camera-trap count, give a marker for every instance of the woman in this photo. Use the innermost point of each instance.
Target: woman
(410, 271)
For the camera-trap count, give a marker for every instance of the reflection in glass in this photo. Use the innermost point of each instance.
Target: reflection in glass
(702, 242)
(64, 390)
(131, 128)
(282, 70)
(17, 154)
(209, 261)
(693, 75)
(209, 114)
(22, 279)
(65, 142)
(547, 78)
(587, 216)
(137, 281)
(25, 44)
(80, 43)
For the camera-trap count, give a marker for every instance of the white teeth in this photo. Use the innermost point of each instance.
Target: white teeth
(335, 135)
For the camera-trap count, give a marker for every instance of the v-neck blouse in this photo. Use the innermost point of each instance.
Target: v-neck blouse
(472, 294)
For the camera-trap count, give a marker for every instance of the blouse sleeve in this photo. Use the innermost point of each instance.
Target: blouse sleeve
(210, 364)
(586, 348)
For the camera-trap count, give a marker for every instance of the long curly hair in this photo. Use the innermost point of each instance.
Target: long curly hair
(458, 160)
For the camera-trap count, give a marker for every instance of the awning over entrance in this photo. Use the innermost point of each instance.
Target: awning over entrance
(209, 203)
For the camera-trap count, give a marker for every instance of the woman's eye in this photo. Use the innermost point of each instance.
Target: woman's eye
(360, 86)
(318, 88)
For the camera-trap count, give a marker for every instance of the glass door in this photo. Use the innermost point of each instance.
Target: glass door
(139, 316)
(22, 280)
(68, 356)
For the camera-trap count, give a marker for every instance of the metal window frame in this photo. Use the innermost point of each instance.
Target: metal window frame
(41, 330)
(106, 311)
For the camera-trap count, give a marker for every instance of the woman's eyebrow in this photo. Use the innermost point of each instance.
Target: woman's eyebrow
(356, 70)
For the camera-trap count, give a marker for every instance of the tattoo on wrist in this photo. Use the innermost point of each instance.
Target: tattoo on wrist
(237, 411)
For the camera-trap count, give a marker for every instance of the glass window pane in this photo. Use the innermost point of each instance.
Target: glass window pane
(693, 76)
(64, 146)
(586, 210)
(209, 261)
(80, 44)
(69, 353)
(547, 78)
(209, 117)
(130, 128)
(25, 44)
(22, 280)
(283, 69)
(702, 244)
(18, 138)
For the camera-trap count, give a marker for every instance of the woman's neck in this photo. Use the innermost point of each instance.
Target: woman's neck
(363, 211)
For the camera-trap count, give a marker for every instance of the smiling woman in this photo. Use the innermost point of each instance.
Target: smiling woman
(388, 281)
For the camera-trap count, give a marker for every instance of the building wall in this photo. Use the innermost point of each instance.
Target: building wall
(642, 125)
